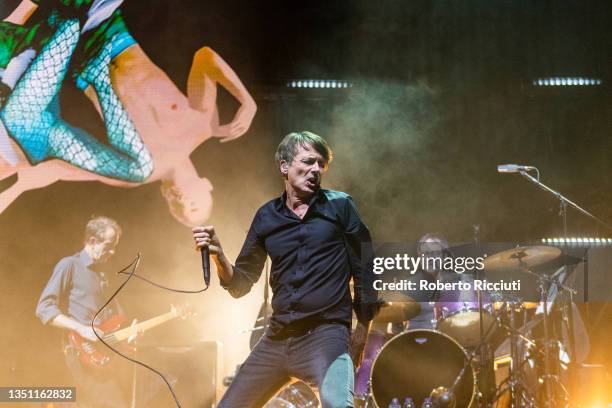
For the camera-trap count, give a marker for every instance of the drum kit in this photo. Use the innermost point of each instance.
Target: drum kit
(452, 364)
(483, 349)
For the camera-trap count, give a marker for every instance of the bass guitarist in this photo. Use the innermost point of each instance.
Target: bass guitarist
(73, 295)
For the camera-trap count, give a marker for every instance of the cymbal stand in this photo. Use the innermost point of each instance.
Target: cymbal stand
(544, 282)
(516, 387)
(483, 350)
(548, 375)
(470, 358)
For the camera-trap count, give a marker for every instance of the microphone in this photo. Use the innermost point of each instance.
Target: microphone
(513, 168)
(205, 252)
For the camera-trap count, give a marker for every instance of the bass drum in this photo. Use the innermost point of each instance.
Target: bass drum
(414, 363)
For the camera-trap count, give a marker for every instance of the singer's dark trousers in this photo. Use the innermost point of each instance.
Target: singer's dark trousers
(319, 357)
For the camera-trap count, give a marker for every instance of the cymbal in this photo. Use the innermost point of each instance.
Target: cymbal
(396, 312)
(521, 257)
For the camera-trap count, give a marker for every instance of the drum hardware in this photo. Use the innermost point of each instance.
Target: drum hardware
(564, 202)
(295, 395)
(520, 393)
(460, 314)
(525, 259)
(365, 400)
(443, 396)
(363, 377)
(520, 305)
(470, 318)
(548, 376)
(515, 381)
(551, 374)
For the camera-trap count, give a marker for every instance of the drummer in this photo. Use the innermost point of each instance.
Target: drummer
(430, 245)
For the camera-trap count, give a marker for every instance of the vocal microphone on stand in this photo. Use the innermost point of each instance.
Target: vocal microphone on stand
(205, 252)
(513, 168)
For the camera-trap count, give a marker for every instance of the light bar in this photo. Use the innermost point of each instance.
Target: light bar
(578, 241)
(319, 83)
(567, 81)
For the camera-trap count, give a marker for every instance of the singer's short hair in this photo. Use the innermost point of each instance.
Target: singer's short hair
(97, 226)
(286, 148)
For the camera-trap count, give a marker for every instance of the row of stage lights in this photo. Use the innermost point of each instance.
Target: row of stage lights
(567, 81)
(578, 240)
(552, 81)
(317, 83)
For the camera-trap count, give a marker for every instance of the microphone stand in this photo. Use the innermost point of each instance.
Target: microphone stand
(563, 203)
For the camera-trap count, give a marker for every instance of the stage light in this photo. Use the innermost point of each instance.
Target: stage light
(578, 241)
(567, 81)
(319, 83)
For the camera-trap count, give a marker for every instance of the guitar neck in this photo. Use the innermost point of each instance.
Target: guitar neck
(125, 333)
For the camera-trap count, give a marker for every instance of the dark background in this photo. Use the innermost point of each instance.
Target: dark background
(442, 94)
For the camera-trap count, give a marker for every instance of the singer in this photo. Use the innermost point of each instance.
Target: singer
(316, 241)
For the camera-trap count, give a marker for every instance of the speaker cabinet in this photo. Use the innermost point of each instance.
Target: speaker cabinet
(194, 371)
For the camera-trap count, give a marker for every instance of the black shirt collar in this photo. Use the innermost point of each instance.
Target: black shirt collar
(317, 197)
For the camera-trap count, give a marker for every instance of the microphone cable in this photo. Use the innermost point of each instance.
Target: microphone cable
(132, 266)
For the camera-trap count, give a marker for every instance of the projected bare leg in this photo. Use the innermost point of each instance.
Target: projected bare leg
(42, 134)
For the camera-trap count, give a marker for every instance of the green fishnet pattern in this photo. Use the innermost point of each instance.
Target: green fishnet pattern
(42, 134)
(122, 134)
(26, 114)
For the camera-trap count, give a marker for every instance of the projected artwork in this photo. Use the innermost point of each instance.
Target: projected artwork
(151, 126)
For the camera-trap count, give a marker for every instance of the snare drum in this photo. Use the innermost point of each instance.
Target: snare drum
(457, 315)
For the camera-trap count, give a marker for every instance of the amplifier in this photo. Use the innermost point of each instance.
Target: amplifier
(194, 371)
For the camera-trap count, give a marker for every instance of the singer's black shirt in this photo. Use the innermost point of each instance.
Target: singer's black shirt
(313, 259)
